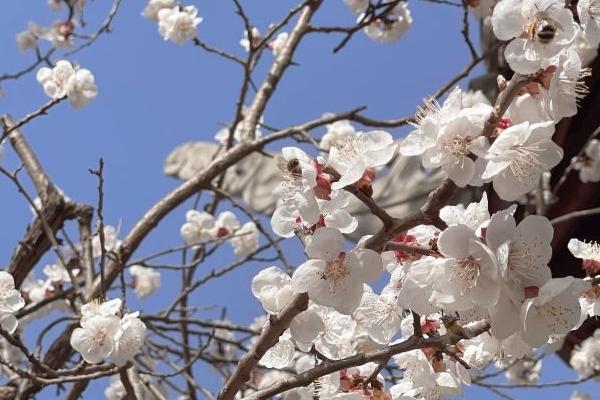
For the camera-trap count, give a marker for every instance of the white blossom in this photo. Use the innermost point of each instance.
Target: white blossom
(471, 98)
(519, 156)
(358, 154)
(57, 274)
(55, 80)
(474, 216)
(391, 28)
(103, 334)
(338, 332)
(580, 396)
(154, 6)
(279, 43)
(585, 358)
(524, 372)
(337, 134)
(446, 137)
(129, 340)
(272, 287)
(199, 227)
(28, 39)
(245, 240)
(333, 277)
(469, 276)
(226, 224)
(145, 280)
(97, 308)
(281, 354)
(420, 380)
(11, 301)
(178, 24)
(379, 315)
(555, 310)
(254, 38)
(589, 252)
(357, 6)
(60, 34)
(81, 88)
(95, 339)
(540, 29)
(589, 18)
(111, 241)
(65, 80)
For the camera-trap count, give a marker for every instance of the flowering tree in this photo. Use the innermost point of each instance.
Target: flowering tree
(399, 296)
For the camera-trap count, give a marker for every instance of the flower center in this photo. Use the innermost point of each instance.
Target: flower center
(520, 262)
(382, 311)
(458, 146)
(222, 232)
(335, 271)
(431, 108)
(99, 337)
(575, 86)
(467, 271)
(349, 149)
(591, 266)
(526, 162)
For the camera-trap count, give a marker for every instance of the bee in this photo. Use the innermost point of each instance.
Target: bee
(291, 166)
(543, 27)
(452, 325)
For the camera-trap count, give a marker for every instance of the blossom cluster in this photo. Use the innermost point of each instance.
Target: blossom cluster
(472, 265)
(104, 334)
(77, 84)
(175, 23)
(515, 153)
(201, 227)
(585, 359)
(386, 28)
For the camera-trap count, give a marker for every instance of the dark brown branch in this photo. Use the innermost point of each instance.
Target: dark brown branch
(412, 343)
(268, 338)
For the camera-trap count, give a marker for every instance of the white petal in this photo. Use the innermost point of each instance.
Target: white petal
(454, 241)
(306, 326)
(325, 244)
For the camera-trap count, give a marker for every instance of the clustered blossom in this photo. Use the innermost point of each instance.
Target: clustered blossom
(105, 335)
(77, 84)
(201, 227)
(448, 136)
(481, 266)
(177, 24)
(246, 42)
(519, 151)
(279, 43)
(585, 359)
(472, 265)
(28, 39)
(11, 301)
(154, 6)
(386, 28)
(539, 30)
(145, 280)
(57, 277)
(60, 35)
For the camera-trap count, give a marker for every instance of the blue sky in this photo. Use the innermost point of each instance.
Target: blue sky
(155, 95)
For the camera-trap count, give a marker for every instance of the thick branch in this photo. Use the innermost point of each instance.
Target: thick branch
(412, 343)
(268, 338)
